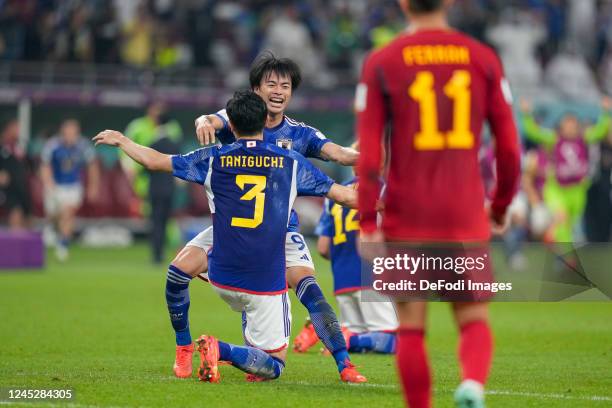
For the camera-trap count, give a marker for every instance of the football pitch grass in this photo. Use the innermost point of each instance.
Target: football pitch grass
(99, 325)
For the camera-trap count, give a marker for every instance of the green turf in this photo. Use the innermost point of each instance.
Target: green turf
(98, 324)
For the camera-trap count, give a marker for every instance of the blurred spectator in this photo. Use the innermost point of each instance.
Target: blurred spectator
(137, 49)
(14, 194)
(74, 42)
(64, 158)
(598, 214)
(570, 75)
(161, 193)
(516, 36)
(143, 131)
(106, 35)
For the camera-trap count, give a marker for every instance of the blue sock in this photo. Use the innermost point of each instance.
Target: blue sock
(323, 319)
(177, 298)
(379, 342)
(251, 360)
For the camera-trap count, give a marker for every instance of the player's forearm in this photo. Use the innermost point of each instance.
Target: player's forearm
(537, 134)
(343, 195)
(508, 159)
(345, 156)
(149, 158)
(93, 176)
(47, 176)
(599, 130)
(323, 246)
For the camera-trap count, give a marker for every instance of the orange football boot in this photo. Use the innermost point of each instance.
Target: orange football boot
(351, 375)
(183, 361)
(306, 338)
(208, 346)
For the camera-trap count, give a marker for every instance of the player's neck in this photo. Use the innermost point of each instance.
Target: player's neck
(258, 136)
(435, 21)
(274, 119)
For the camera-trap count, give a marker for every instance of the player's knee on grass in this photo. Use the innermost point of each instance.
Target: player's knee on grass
(191, 260)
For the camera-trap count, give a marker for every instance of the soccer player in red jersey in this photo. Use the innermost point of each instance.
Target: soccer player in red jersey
(432, 88)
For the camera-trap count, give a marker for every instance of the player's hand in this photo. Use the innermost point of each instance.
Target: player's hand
(108, 137)
(499, 222)
(525, 105)
(204, 130)
(606, 103)
(372, 245)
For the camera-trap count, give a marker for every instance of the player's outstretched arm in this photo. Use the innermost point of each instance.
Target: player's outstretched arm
(599, 130)
(149, 158)
(532, 130)
(345, 156)
(346, 196)
(206, 128)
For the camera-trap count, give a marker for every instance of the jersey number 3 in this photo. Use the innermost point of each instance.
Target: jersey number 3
(457, 88)
(255, 193)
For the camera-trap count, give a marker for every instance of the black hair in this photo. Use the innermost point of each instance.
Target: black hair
(266, 63)
(247, 113)
(424, 6)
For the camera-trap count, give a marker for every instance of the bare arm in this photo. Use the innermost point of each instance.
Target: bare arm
(93, 177)
(346, 196)
(206, 127)
(149, 158)
(528, 179)
(323, 246)
(47, 176)
(345, 156)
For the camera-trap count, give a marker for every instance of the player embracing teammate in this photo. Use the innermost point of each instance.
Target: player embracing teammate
(433, 88)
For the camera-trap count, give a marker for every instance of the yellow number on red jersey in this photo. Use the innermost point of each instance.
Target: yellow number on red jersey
(457, 88)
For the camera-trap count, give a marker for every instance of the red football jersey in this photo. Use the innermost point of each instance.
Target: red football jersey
(433, 90)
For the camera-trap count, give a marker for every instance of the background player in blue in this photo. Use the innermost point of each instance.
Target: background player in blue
(367, 325)
(274, 80)
(64, 157)
(251, 186)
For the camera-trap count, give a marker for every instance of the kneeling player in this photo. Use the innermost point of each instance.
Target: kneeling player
(251, 187)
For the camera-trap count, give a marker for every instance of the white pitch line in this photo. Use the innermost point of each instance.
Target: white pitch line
(488, 392)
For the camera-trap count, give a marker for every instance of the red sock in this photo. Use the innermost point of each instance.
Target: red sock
(475, 351)
(413, 367)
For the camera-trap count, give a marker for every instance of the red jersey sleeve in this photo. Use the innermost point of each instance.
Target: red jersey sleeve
(507, 149)
(371, 108)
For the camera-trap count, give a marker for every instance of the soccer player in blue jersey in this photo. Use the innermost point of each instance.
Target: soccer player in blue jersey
(367, 325)
(274, 80)
(64, 157)
(251, 185)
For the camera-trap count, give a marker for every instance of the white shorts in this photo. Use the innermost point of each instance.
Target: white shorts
(266, 319)
(63, 196)
(360, 317)
(296, 249)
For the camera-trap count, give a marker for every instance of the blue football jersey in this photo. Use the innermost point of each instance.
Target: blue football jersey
(289, 134)
(342, 226)
(67, 162)
(251, 186)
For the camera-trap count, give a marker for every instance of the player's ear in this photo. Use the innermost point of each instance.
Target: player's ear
(229, 123)
(404, 5)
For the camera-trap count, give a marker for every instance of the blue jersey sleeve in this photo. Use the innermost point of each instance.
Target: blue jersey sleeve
(225, 134)
(310, 180)
(325, 227)
(193, 166)
(315, 140)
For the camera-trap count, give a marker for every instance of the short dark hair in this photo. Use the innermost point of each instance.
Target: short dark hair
(424, 6)
(266, 63)
(247, 113)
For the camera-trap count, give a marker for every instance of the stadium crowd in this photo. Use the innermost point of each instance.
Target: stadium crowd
(537, 39)
(553, 51)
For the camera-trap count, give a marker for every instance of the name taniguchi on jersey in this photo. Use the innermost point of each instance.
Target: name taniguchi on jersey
(289, 134)
(251, 186)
